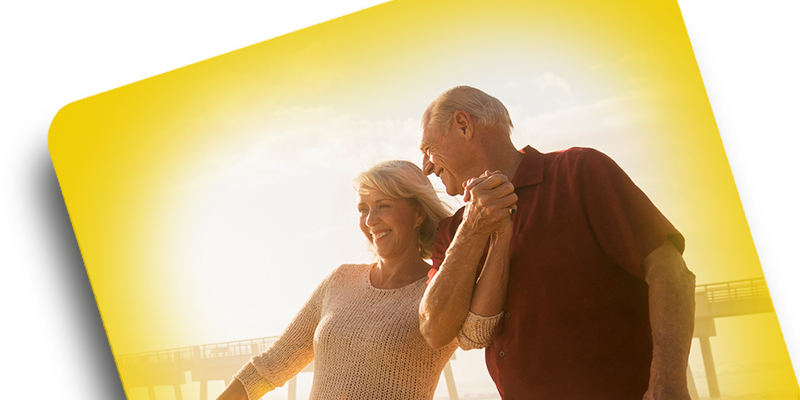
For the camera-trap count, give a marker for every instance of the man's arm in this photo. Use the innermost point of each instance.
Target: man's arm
(448, 297)
(671, 303)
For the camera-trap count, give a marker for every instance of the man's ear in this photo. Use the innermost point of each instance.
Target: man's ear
(463, 124)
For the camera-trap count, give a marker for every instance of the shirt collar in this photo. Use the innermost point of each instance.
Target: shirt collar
(531, 169)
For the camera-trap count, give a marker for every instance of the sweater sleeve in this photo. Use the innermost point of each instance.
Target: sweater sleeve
(289, 354)
(476, 332)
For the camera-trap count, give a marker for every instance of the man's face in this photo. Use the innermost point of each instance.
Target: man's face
(443, 155)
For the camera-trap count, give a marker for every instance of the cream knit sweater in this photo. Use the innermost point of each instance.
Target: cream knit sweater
(365, 342)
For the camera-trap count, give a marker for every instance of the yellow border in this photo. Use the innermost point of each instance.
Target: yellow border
(738, 2)
(182, 3)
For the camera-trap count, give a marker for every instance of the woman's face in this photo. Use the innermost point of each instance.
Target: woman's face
(391, 224)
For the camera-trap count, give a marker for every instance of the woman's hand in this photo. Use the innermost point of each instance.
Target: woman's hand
(490, 202)
(234, 391)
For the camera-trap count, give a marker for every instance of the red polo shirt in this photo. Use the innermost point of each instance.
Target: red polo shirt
(576, 320)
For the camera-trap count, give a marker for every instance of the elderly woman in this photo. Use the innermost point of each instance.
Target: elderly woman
(361, 324)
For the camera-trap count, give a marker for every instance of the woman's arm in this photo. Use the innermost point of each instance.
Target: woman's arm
(489, 295)
(285, 358)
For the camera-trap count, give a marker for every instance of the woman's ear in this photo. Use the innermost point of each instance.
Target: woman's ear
(420, 217)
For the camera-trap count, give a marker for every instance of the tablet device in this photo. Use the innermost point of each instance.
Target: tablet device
(119, 181)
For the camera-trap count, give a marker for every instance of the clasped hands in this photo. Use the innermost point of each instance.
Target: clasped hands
(490, 202)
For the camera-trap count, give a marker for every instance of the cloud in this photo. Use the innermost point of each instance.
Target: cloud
(625, 127)
(579, 121)
(548, 81)
(302, 143)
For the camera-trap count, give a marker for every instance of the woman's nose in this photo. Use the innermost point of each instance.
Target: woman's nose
(372, 218)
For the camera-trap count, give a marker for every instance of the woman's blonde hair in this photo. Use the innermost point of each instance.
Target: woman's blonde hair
(404, 179)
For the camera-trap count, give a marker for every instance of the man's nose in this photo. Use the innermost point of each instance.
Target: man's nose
(427, 165)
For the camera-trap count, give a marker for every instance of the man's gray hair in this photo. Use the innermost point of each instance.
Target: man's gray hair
(487, 110)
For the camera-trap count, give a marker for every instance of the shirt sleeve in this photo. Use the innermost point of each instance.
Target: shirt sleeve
(290, 353)
(476, 332)
(627, 225)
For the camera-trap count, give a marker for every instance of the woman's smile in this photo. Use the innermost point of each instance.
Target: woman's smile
(376, 236)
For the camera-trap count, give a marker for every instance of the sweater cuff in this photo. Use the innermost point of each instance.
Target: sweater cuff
(477, 331)
(254, 384)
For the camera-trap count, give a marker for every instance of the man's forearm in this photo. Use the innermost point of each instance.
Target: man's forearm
(447, 299)
(671, 303)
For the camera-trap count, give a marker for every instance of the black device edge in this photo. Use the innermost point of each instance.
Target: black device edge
(60, 284)
(746, 193)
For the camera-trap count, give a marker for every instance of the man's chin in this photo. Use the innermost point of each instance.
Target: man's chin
(453, 192)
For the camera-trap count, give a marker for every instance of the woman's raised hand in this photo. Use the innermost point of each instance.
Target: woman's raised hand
(234, 391)
(490, 202)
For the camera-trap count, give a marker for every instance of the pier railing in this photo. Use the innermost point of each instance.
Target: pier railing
(196, 353)
(735, 290)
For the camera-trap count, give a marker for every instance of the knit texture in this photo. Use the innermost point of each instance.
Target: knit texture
(365, 342)
(477, 331)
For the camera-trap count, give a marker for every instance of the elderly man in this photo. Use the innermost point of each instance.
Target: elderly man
(597, 302)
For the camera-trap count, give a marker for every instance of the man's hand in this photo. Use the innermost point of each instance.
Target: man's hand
(490, 199)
